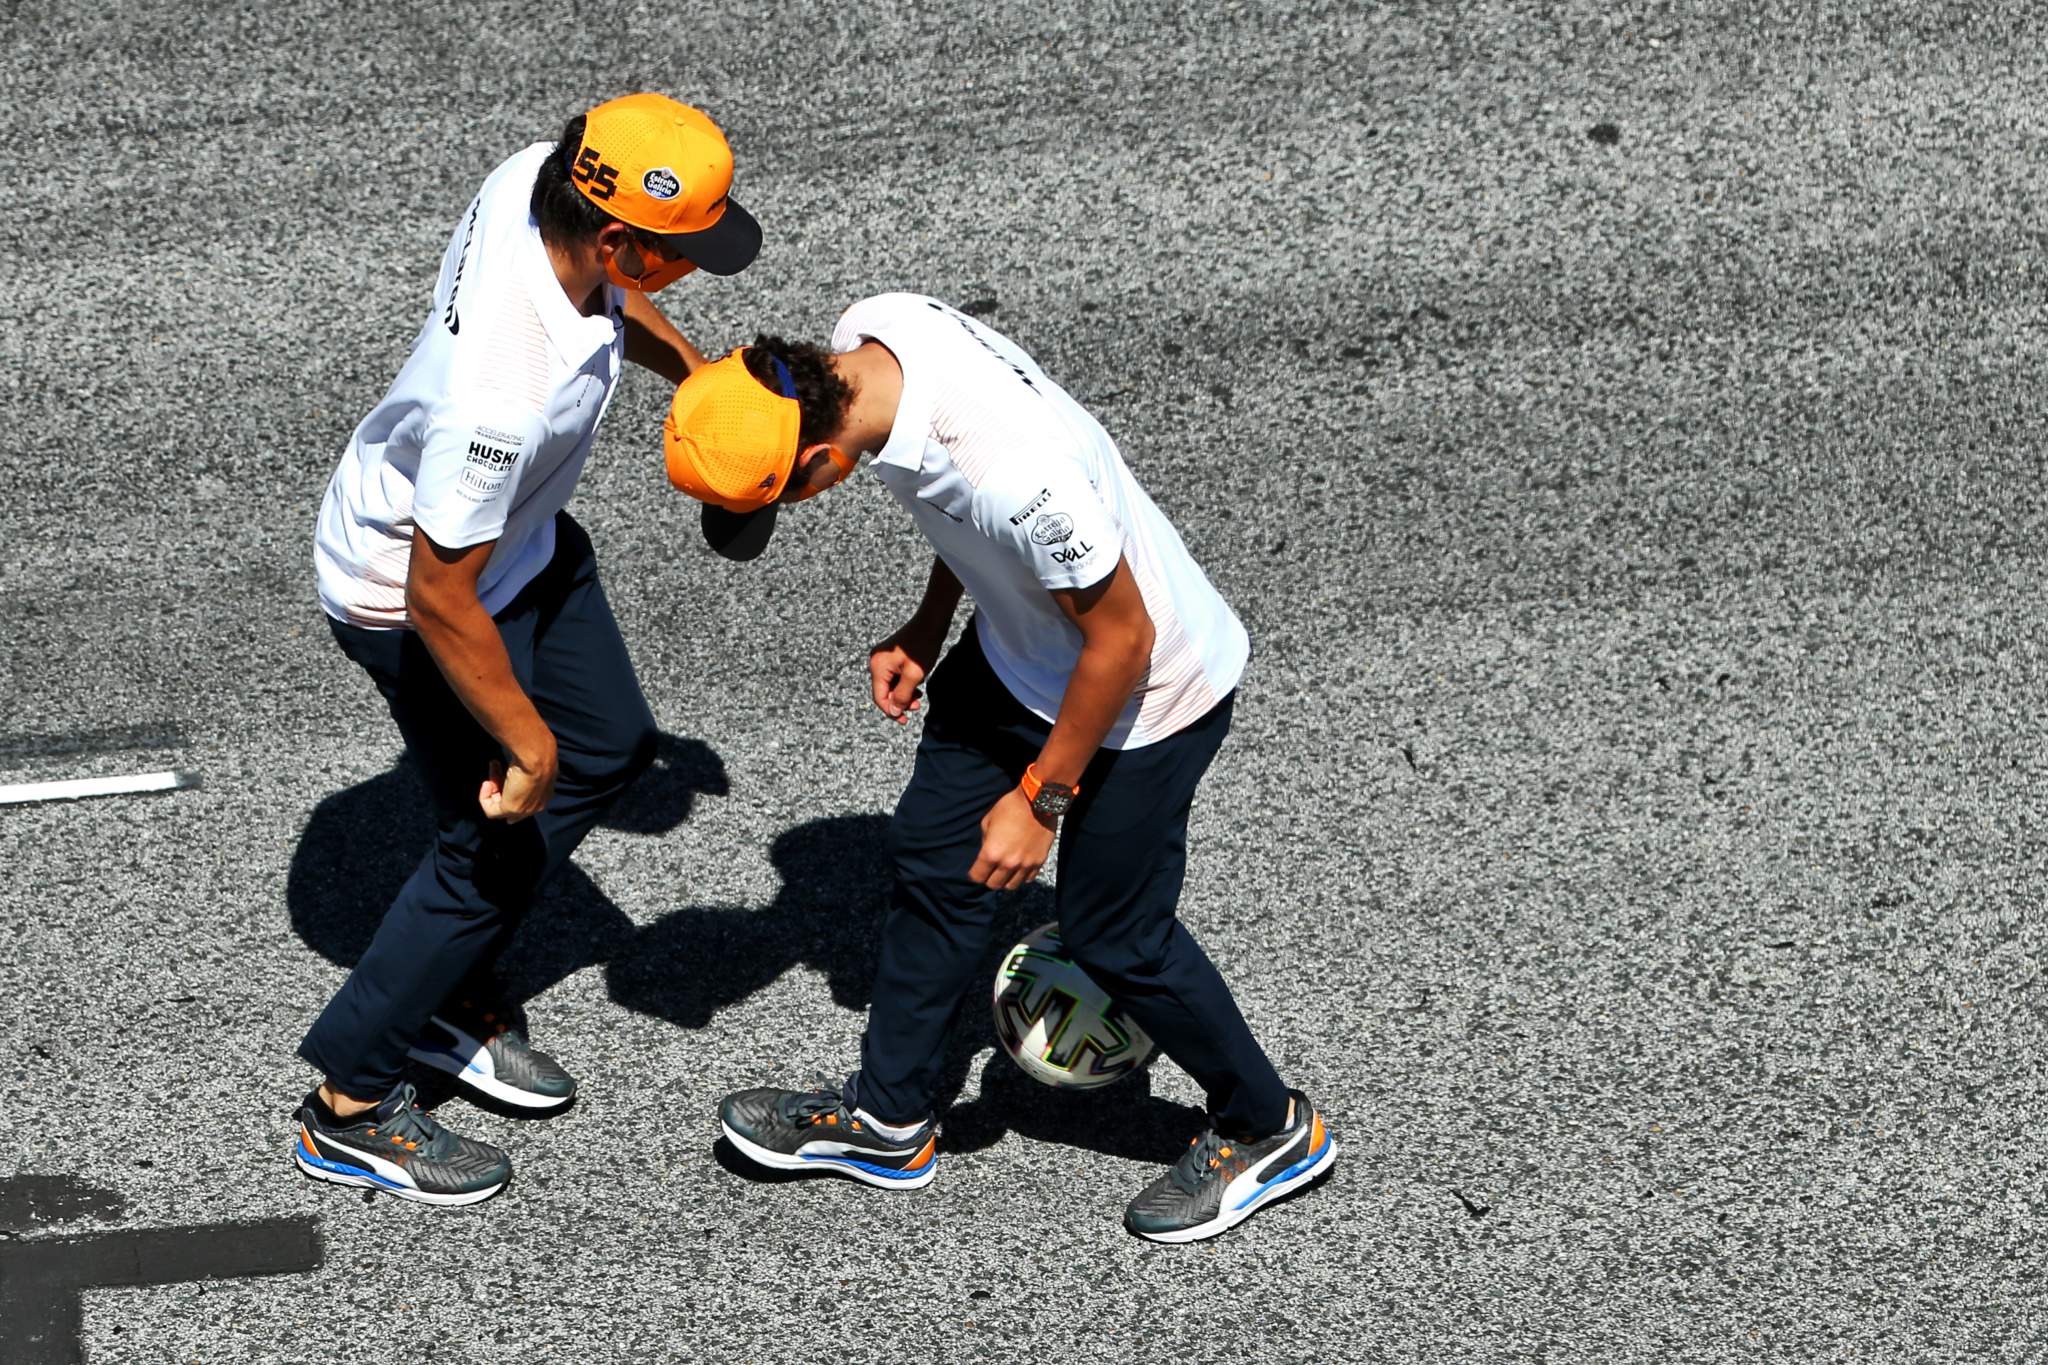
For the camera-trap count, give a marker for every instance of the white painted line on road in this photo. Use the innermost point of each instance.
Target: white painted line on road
(21, 793)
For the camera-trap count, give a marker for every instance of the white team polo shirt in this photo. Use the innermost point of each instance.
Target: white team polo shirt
(483, 433)
(1020, 491)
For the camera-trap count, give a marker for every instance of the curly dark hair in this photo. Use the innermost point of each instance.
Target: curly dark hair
(563, 213)
(822, 397)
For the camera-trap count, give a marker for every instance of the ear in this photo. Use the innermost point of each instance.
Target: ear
(807, 461)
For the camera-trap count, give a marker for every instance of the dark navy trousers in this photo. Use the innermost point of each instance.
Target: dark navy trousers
(1123, 853)
(452, 917)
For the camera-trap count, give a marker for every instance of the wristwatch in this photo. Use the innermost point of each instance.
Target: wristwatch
(1047, 798)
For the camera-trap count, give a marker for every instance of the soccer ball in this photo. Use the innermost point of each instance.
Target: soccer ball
(1057, 1023)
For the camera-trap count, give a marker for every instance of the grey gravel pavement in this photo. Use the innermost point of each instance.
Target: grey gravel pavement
(1619, 429)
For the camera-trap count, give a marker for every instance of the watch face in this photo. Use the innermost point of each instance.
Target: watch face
(1052, 801)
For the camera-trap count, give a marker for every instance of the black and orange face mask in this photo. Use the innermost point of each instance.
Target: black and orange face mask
(652, 279)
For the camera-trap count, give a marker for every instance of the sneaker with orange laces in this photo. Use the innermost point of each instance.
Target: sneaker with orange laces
(1218, 1183)
(399, 1148)
(814, 1130)
(487, 1051)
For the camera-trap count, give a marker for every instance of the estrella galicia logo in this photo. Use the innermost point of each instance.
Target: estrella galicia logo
(1053, 528)
(661, 183)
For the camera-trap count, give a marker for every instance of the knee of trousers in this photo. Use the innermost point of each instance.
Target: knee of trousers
(909, 847)
(1111, 958)
(624, 759)
(930, 867)
(495, 878)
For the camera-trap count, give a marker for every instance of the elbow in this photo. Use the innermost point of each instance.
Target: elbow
(426, 610)
(1136, 654)
(1142, 641)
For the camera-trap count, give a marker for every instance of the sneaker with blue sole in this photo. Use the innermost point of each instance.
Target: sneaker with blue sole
(813, 1130)
(487, 1052)
(400, 1149)
(1217, 1183)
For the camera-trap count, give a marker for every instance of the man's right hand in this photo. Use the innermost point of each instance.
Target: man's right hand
(515, 792)
(897, 669)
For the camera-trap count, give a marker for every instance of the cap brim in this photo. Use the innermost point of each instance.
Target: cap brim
(727, 247)
(739, 535)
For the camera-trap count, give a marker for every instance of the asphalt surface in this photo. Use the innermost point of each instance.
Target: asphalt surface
(1619, 430)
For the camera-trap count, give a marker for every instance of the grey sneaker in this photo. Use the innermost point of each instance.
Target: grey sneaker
(401, 1149)
(488, 1053)
(813, 1130)
(1217, 1184)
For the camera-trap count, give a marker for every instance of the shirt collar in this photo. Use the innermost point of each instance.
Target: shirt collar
(913, 425)
(577, 337)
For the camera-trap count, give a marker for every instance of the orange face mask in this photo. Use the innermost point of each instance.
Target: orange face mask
(653, 278)
(841, 461)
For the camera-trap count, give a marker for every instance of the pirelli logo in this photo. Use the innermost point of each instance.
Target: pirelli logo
(1024, 513)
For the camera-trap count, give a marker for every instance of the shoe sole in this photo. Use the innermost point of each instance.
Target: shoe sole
(397, 1191)
(1230, 1218)
(827, 1165)
(488, 1086)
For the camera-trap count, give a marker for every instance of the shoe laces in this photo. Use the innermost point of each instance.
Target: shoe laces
(1204, 1160)
(807, 1107)
(408, 1125)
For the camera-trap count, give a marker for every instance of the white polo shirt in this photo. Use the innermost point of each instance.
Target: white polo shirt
(484, 431)
(1021, 491)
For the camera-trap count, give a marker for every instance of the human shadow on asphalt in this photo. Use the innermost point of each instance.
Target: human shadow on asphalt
(361, 844)
(696, 961)
(828, 916)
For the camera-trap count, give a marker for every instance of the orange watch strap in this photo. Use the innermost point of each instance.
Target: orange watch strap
(1033, 783)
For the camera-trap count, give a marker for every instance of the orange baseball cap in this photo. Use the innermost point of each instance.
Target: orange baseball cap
(731, 443)
(661, 166)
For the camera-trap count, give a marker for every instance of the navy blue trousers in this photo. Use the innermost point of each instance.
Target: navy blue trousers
(455, 913)
(1123, 853)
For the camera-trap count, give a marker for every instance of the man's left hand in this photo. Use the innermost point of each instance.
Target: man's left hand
(1015, 843)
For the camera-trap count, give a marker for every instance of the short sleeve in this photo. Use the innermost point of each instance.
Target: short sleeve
(1055, 523)
(469, 474)
(869, 317)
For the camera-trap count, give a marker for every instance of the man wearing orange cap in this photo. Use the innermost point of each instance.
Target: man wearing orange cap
(1084, 702)
(450, 572)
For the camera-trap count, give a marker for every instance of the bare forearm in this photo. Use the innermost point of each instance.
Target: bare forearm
(942, 592)
(471, 655)
(653, 341)
(1104, 677)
